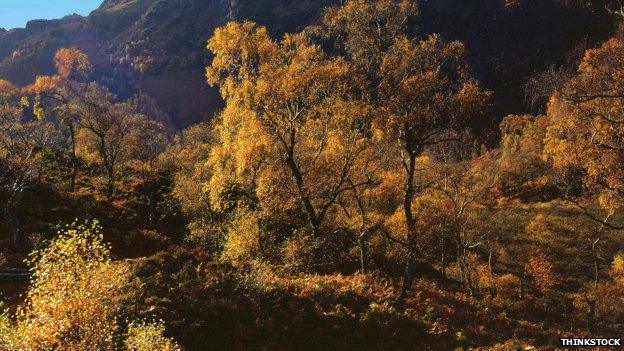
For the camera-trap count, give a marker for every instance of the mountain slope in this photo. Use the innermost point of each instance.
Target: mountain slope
(158, 46)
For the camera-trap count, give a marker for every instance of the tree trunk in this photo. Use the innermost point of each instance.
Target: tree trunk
(591, 303)
(522, 279)
(110, 186)
(363, 251)
(15, 226)
(74, 158)
(150, 208)
(313, 219)
(408, 277)
(491, 269)
(443, 258)
(410, 223)
(591, 314)
(460, 264)
(466, 270)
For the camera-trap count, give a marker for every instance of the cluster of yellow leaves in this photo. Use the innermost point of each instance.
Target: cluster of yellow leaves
(369, 27)
(71, 302)
(522, 165)
(507, 285)
(236, 158)
(187, 155)
(541, 270)
(6, 87)
(380, 288)
(286, 134)
(239, 49)
(419, 93)
(485, 279)
(539, 227)
(243, 239)
(148, 337)
(587, 126)
(71, 64)
(617, 269)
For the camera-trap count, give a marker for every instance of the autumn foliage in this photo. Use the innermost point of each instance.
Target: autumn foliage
(344, 195)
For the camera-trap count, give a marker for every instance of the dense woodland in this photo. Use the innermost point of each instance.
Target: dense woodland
(358, 190)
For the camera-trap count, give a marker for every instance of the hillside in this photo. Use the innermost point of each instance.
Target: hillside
(151, 45)
(158, 46)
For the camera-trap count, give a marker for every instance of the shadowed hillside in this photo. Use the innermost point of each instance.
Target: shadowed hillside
(151, 45)
(158, 46)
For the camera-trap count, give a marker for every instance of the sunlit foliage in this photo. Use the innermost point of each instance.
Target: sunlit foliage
(147, 337)
(70, 304)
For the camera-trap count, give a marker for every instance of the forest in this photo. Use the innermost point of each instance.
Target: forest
(357, 189)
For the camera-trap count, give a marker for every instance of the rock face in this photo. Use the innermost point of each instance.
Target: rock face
(158, 46)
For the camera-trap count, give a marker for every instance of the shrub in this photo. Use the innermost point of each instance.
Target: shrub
(200, 301)
(147, 337)
(299, 253)
(541, 270)
(329, 253)
(71, 304)
(617, 269)
(242, 243)
(507, 286)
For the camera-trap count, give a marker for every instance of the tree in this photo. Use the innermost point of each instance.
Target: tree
(186, 159)
(288, 121)
(584, 143)
(146, 143)
(586, 137)
(22, 142)
(73, 302)
(114, 133)
(541, 270)
(367, 29)
(371, 197)
(524, 173)
(452, 210)
(62, 93)
(420, 88)
(426, 95)
(467, 188)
